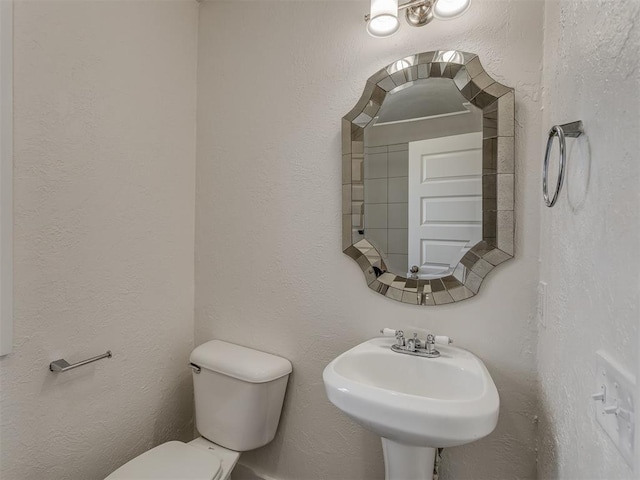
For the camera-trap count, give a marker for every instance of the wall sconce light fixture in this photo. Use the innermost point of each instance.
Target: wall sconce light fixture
(383, 21)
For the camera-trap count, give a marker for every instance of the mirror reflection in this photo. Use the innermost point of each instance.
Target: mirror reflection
(423, 178)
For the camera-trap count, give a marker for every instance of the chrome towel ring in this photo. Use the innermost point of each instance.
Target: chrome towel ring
(573, 129)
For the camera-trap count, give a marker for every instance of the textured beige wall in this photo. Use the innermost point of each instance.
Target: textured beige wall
(589, 240)
(274, 79)
(104, 221)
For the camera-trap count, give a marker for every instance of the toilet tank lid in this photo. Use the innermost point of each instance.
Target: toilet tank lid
(240, 362)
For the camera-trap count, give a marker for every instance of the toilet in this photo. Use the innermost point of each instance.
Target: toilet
(238, 399)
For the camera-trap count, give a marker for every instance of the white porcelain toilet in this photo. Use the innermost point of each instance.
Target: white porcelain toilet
(238, 394)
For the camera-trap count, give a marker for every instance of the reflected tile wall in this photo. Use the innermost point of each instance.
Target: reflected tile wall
(385, 172)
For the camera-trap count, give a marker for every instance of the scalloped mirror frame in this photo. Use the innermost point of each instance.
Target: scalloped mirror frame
(497, 103)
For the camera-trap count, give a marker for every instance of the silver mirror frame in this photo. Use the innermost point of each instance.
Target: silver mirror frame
(498, 106)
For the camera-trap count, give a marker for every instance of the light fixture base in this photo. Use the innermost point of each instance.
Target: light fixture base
(419, 15)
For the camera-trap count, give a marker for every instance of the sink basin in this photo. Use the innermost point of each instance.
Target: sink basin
(415, 404)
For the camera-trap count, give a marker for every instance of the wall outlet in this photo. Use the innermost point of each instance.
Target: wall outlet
(614, 399)
(542, 304)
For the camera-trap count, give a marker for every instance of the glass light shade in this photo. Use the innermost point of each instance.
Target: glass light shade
(449, 9)
(383, 19)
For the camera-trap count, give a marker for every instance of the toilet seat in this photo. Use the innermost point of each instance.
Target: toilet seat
(171, 461)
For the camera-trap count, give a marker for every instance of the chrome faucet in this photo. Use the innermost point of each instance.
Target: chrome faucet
(414, 346)
(414, 343)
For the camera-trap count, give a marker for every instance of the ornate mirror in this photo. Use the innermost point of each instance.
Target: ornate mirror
(428, 178)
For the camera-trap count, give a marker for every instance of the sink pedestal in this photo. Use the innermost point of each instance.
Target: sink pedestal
(407, 462)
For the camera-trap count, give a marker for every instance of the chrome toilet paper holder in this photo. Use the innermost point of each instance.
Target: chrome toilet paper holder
(62, 365)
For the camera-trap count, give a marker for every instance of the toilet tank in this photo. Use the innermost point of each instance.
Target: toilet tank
(238, 394)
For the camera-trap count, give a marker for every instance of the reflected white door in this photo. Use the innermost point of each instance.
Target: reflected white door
(445, 201)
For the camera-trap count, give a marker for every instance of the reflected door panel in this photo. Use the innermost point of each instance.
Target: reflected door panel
(445, 201)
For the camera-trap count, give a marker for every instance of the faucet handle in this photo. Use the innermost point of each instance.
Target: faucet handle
(443, 339)
(390, 332)
(439, 339)
(429, 345)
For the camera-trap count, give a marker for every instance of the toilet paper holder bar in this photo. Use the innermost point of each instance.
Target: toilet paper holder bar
(62, 365)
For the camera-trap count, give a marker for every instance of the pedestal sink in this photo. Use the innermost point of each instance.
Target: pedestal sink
(415, 404)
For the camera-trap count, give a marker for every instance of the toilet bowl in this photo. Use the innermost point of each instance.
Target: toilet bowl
(239, 394)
